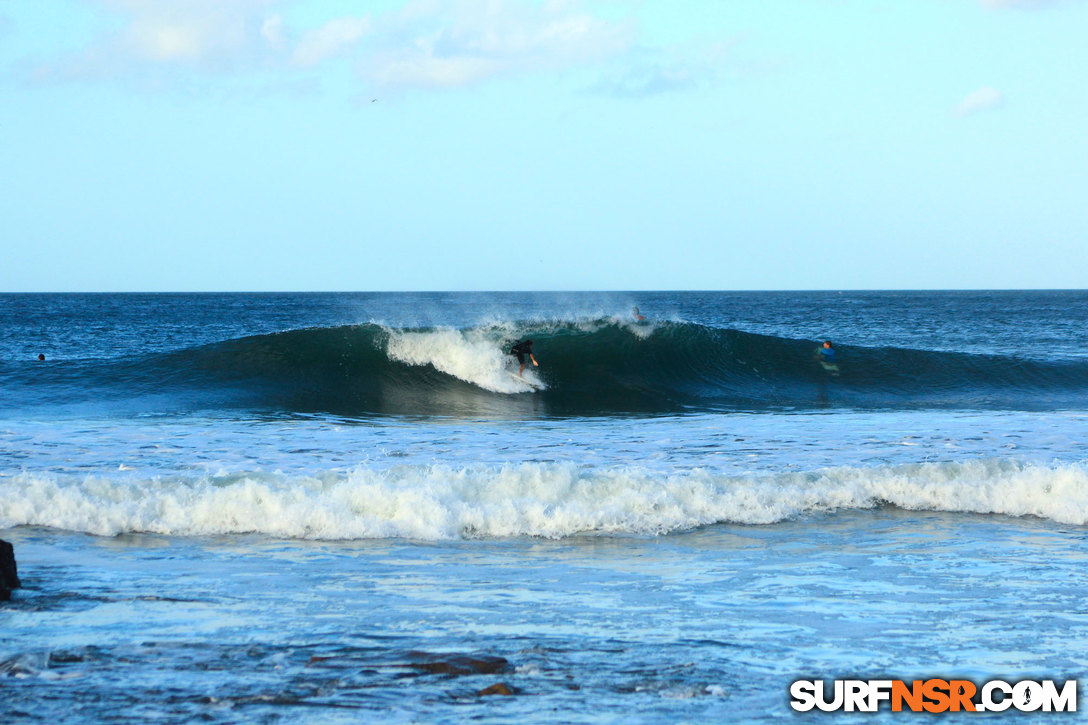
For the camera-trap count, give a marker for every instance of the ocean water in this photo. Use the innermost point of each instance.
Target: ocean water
(349, 507)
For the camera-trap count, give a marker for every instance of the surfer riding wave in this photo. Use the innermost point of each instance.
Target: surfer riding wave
(520, 350)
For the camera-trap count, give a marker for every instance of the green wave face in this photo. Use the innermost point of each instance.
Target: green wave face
(587, 368)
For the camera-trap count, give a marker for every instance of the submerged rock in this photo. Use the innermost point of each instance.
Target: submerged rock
(499, 688)
(9, 577)
(459, 664)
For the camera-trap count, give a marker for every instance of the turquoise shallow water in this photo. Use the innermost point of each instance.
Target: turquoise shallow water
(201, 545)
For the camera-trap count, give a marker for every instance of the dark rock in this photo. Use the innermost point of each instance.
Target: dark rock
(9, 576)
(499, 688)
(459, 664)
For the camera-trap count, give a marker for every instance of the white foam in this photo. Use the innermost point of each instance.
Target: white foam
(548, 500)
(642, 330)
(475, 356)
(479, 356)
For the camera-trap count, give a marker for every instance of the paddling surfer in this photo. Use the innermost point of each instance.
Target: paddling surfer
(826, 356)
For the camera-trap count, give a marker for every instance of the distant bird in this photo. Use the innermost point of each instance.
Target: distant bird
(373, 100)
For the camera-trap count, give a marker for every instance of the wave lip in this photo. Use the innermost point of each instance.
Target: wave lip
(587, 367)
(539, 500)
(468, 355)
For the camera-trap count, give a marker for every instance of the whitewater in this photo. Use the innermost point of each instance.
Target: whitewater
(554, 501)
(345, 507)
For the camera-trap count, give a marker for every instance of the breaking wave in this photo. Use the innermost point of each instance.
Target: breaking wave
(537, 500)
(594, 367)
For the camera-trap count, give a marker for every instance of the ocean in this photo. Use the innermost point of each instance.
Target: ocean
(348, 507)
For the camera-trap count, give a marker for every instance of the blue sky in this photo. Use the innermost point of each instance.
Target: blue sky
(561, 145)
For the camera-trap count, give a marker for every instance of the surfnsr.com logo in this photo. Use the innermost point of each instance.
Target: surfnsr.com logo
(934, 695)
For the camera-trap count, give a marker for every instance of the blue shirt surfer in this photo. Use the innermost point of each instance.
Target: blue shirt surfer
(521, 349)
(826, 356)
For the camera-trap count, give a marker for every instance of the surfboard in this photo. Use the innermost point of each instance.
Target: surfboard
(521, 379)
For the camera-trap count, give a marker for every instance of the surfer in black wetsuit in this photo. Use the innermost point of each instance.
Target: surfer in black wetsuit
(522, 349)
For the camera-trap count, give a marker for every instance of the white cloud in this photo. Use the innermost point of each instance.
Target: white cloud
(986, 98)
(201, 31)
(449, 43)
(272, 31)
(1019, 4)
(650, 72)
(157, 35)
(329, 40)
(427, 71)
(423, 44)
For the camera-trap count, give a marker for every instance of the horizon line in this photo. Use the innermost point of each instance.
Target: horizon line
(839, 290)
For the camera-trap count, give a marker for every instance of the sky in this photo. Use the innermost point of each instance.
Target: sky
(246, 145)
